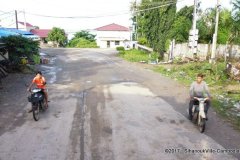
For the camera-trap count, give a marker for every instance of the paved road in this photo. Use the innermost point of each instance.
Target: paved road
(103, 108)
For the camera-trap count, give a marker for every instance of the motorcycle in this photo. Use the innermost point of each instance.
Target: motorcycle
(199, 116)
(37, 100)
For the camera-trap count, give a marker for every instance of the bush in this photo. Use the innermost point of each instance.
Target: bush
(82, 43)
(120, 48)
(19, 46)
(134, 55)
(121, 52)
(142, 41)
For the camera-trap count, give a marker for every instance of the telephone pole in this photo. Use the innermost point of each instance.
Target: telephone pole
(16, 19)
(25, 23)
(214, 42)
(193, 34)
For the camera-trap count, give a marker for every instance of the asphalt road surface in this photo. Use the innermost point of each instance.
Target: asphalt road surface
(103, 108)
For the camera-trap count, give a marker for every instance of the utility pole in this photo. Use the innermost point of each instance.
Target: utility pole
(25, 23)
(16, 19)
(193, 35)
(214, 42)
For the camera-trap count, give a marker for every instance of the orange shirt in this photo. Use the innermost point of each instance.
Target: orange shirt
(39, 82)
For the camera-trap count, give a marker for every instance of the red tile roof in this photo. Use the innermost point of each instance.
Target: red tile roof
(27, 24)
(112, 27)
(42, 33)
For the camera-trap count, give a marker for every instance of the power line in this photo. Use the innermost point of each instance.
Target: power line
(6, 17)
(5, 12)
(147, 9)
(110, 15)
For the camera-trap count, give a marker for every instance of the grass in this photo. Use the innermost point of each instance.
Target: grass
(215, 76)
(134, 55)
(137, 56)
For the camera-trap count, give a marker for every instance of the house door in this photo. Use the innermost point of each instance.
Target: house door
(108, 44)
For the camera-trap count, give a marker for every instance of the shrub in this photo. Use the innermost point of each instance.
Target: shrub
(134, 55)
(121, 52)
(142, 41)
(82, 43)
(120, 48)
(19, 46)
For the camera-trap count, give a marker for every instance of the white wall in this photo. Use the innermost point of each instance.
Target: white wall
(112, 36)
(204, 49)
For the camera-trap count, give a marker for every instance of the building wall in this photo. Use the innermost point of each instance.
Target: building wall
(103, 36)
(103, 43)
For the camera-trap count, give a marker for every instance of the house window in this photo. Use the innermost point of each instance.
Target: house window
(117, 43)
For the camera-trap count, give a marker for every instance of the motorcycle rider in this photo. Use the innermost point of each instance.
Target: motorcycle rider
(40, 82)
(199, 89)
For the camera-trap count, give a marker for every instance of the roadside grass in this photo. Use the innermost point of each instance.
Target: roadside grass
(134, 55)
(225, 92)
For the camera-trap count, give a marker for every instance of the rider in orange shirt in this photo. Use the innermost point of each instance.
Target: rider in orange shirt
(40, 82)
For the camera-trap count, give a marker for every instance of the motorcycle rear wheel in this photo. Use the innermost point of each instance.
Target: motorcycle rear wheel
(36, 110)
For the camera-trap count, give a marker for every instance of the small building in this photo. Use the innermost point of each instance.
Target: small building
(26, 27)
(112, 36)
(42, 33)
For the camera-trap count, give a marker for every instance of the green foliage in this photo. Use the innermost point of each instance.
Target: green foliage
(57, 35)
(83, 39)
(142, 41)
(121, 53)
(182, 24)
(214, 74)
(155, 24)
(81, 43)
(134, 55)
(154, 56)
(120, 48)
(19, 46)
(85, 35)
(36, 59)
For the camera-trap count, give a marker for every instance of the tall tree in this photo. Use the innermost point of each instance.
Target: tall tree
(57, 35)
(155, 24)
(235, 36)
(182, 24)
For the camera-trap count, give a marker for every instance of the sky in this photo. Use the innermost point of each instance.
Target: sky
(99, 12)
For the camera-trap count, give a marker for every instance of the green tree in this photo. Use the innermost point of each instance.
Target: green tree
(19, 46)
(206, 25)
(182, 24)
(86, 35)
(235, 37)
(155, 24)
(57, 35)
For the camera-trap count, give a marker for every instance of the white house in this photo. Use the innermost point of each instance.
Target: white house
(112, 36)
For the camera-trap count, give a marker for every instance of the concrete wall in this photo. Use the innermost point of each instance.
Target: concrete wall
(204, 49)
(103, 36)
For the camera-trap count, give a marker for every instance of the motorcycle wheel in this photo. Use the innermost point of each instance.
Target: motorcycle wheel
(43, 108)
(202, 125)
(195, 117)
(36, 110)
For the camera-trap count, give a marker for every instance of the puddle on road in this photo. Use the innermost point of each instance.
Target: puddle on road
(51, 71)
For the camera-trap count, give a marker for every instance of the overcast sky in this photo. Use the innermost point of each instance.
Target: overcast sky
(100, 9)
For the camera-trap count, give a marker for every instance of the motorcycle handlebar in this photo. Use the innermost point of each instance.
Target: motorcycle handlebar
(200, 98)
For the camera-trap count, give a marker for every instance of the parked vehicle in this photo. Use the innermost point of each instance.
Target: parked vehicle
(199, 116)
(37, 100)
